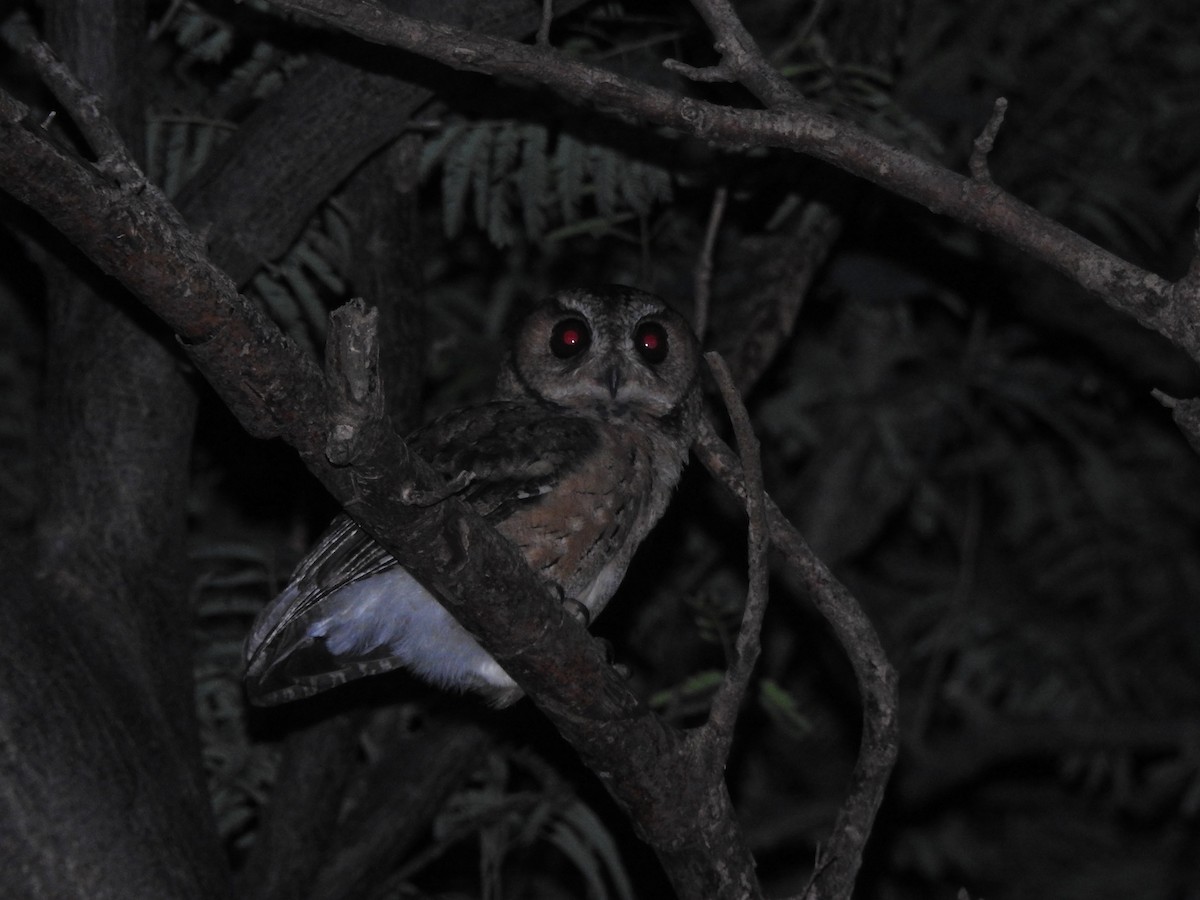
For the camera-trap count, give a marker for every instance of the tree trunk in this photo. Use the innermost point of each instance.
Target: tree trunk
(106, 797)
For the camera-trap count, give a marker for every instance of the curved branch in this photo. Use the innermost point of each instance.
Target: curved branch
(1172, 310)
(717, 732)
(839, 859)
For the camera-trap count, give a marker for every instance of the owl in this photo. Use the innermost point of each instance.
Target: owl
(573, 460)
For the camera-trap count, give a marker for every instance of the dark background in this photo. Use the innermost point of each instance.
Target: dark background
(967, 438)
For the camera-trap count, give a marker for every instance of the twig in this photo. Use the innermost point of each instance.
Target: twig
(1186, 414)
(722, 716)
(543, 32)
(722, 71)
(704, 265)
(983, 144)
(86, 108)
(741, 58)
(810, 21)
(159, 27)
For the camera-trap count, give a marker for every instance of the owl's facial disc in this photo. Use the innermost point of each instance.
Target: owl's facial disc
(612, 351)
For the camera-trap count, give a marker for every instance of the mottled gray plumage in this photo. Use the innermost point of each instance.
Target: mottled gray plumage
(573, 461)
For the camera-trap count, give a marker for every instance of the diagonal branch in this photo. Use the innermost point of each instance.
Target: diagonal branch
(276, 391)
(1156, 303)
(99, 132)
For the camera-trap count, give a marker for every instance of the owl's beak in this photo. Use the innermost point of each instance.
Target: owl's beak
(612, 380)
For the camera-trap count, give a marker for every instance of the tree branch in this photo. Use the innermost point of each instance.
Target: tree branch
(741, 59)
(1149, 298)
(274, 390)
(839, 858)
(717, 732)
(97, 129)
(982, 147)
(702, 279)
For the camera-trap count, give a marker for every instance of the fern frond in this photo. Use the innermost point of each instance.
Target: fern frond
(458, 172)
(510, 177)
(533, 178)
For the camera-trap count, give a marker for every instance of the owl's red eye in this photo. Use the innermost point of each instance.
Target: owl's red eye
(570, 337)
(650, 341)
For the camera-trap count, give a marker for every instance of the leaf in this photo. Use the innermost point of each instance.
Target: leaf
(783, 709)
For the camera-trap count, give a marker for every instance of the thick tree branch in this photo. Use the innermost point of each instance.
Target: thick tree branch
(274, 390)
(97, 129)
(387, 243)
(1150, 299)
(134, 234)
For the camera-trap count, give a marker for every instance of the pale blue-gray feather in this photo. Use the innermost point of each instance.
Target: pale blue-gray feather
(393, 613)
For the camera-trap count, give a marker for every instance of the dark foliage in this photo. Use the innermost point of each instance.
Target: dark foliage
(968, 440)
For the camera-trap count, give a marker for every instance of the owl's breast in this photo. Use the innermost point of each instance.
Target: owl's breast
(583, 532)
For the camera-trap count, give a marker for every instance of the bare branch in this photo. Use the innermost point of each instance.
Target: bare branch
(137, 236)
(704, 265)
(709, 74)
(840, 857)
(978, 163)
(741, 58)
(274, 389)
(86, 107)
(722, 717)
(1147, 297)
(543, 32)
(1186, 414)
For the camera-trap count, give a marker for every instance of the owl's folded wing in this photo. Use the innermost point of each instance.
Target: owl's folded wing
(343, 554)
(509, 454)
(351, 610)
(281, 654)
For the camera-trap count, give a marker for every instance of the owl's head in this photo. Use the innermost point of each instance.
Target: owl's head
(611, 349)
